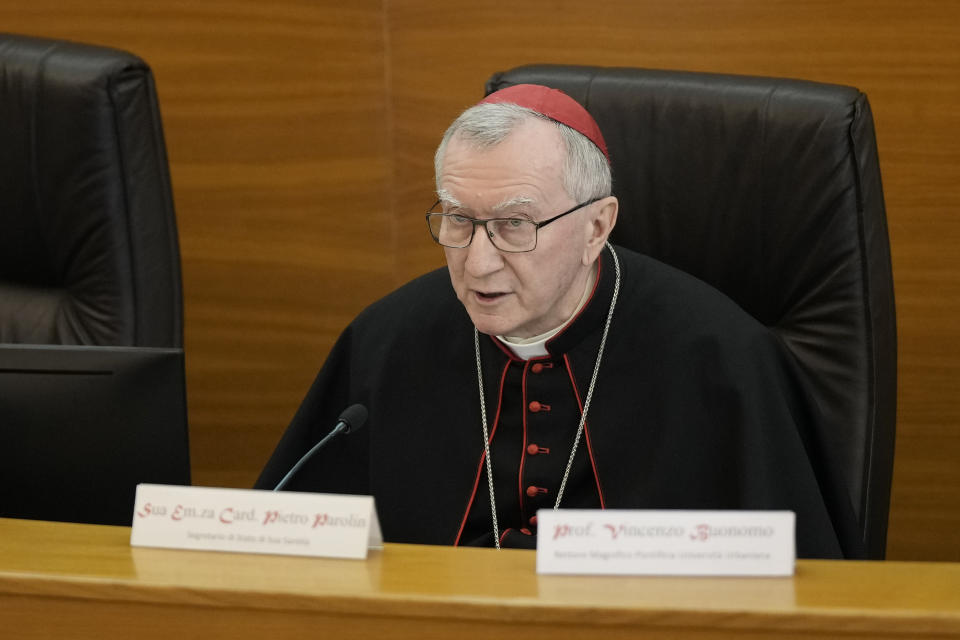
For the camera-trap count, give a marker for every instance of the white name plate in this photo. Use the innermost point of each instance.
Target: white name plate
(667, 543)
(248, 521)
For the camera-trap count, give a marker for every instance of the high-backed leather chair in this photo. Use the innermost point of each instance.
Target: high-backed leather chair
(88, 238)
(92, 392)
(768, 189)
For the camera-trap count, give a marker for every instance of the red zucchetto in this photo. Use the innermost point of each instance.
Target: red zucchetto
(555, 105)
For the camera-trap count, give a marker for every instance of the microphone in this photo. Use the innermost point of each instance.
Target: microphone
(352, 418)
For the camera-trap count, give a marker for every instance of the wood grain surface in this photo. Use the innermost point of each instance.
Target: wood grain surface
(84, 581)
(301, 134)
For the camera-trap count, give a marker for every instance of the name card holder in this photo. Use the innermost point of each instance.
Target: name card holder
(667, 543)
(250, 521)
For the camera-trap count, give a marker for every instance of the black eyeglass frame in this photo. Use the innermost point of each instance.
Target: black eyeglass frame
(483, 223)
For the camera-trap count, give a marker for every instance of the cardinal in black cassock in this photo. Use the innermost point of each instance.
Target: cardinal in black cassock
(600, 378)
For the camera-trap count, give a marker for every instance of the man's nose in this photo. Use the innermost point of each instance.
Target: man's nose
(482, 257)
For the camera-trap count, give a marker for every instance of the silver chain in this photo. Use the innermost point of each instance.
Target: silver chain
(583, 416)
(486, 439)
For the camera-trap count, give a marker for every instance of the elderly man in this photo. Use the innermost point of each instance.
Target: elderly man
(557, 370)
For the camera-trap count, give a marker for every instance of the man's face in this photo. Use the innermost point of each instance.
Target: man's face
(517, 294)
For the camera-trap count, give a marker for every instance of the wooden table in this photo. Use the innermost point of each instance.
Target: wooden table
(83, 581)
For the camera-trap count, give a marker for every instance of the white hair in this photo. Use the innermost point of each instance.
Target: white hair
(586, 171)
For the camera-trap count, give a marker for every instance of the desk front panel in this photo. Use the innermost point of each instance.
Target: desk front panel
(84, 581)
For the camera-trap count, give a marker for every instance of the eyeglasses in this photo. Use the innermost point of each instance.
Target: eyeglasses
(512, 235)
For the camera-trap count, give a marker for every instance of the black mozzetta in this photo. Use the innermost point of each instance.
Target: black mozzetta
(696, 406)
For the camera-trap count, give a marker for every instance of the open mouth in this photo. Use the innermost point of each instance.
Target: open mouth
(489, 297)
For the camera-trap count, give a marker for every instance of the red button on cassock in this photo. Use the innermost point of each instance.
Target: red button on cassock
(526, 532)
(532, 491)
(533, 521)
(534, 406)
(533, 449)
(537, 368)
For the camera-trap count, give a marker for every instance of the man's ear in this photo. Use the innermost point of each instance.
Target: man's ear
(601, 224)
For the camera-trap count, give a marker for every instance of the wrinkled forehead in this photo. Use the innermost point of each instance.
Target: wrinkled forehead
(526, 167)
(504, 205)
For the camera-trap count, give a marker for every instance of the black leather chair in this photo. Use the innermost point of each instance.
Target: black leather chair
(88, 238)
(768, 189)
(92, 392)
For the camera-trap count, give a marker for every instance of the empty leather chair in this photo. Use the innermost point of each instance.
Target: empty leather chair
(88, 238)
(92, 392)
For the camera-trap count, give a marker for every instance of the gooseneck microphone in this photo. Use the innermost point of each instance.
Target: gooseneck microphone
(349, 421)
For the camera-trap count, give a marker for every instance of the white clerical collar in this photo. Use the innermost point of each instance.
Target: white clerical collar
(536, 347)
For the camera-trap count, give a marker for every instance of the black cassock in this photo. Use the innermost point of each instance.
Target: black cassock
(696, 406)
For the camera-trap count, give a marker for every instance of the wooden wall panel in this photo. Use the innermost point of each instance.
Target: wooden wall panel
(905, 56)
(275, 119)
